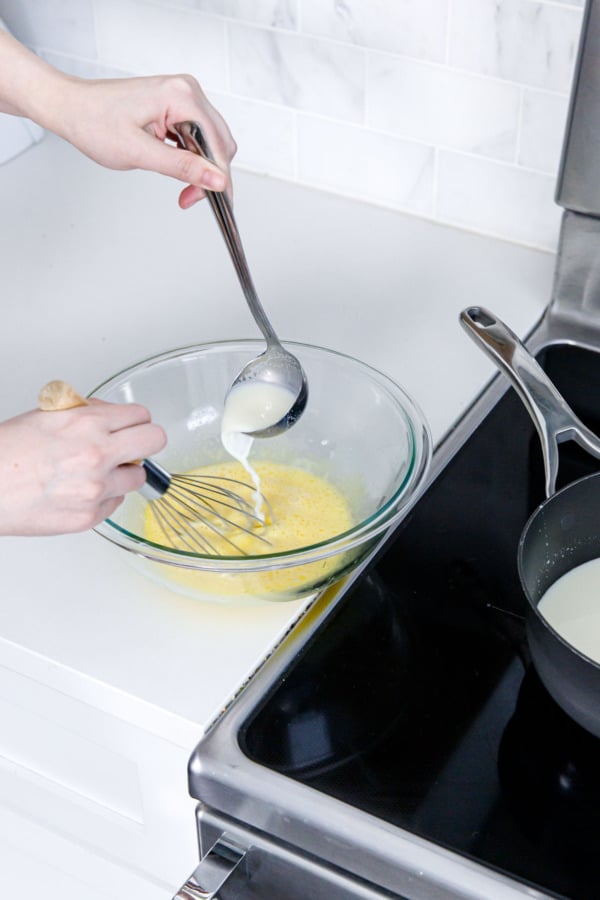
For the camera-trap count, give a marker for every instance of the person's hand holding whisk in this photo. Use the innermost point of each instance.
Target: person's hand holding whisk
(68, 471)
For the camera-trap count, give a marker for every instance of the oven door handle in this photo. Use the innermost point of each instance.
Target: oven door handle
(212, 872)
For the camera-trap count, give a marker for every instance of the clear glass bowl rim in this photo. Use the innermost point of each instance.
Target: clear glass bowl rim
(368, 529)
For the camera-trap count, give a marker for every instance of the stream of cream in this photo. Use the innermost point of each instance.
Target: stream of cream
(251, 407)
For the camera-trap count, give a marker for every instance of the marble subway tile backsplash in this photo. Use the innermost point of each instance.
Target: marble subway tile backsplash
(68, 25)
(146, 38)
(298, 72)
(520, 40)
(478, 115)
(449, 109)
(405, 27)
(495, 198)
(368, 165)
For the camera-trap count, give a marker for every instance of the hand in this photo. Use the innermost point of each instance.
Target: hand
(67, 471)
(123, 124)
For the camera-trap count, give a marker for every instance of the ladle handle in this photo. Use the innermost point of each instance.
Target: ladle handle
(553, 417)
(191, 137)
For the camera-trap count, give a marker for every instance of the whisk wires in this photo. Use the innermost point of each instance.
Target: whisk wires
(209, 514)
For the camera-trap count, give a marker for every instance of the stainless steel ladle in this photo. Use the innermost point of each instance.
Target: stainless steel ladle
(276, 365)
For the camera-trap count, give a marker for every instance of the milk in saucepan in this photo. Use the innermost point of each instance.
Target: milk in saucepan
(572, 607)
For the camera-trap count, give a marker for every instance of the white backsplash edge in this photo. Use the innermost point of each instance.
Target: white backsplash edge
(453, 110)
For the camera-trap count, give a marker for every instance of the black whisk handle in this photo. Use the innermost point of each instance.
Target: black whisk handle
(158, 480)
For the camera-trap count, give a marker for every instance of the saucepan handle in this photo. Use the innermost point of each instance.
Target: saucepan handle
(554, 419)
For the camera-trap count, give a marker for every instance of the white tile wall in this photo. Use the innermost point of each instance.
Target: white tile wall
(147, 38)
(520, 40)
(443, 107)
(365, 164)
(449, 109)
(302, 73)
(542, 126)
(402, 26)
(495, 198)
(67, 25)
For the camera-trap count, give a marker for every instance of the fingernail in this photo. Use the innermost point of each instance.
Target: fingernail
(214, 181)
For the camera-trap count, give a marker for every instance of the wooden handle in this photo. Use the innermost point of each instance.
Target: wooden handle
(59, 395)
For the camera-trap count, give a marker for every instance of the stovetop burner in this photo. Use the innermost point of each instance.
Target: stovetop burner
(416, 700)
(550, 779)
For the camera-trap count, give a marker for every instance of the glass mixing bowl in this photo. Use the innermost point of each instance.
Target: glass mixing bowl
(360, 432)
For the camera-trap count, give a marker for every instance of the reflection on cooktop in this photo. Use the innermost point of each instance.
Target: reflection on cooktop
(550, 775)
(416, 700)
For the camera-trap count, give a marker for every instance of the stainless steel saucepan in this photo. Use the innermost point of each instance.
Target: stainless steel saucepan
(563, 532)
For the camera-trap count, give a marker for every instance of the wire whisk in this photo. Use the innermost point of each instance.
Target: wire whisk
(197, 512)
(193, 512)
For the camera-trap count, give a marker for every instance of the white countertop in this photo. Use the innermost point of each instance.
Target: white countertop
(100, 269)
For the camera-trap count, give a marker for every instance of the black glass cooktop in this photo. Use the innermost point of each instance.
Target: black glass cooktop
(416, 700)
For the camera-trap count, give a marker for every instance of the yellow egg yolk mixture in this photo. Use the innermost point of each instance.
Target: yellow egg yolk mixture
(303, 509)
